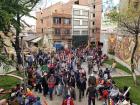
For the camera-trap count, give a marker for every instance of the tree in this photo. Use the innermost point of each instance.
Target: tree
(11, 13)
(129, 21)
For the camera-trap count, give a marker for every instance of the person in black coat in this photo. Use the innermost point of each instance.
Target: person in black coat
(72, 81)
(45, 84)
(81, 87)
(91, 91)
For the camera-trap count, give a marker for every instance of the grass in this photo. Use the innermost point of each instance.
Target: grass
(135, 90)
(7, 82)
(119, 66)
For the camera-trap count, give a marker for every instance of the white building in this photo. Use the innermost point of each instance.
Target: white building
(80, 20)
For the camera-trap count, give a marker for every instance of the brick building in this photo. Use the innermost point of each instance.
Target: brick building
(56, 21)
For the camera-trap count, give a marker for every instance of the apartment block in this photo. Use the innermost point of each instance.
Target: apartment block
(80, 17)
(74, 18)
(55, 21)
(95, 12)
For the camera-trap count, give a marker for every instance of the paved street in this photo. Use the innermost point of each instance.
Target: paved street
(58, 99)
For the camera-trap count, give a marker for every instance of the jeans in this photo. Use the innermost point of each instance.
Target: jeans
(51, 93)
(91, 100)
(81, 94)
(38, 87)
(45, 91)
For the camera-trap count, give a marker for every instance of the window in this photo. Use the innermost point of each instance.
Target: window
(42, 21)
(67, 21)
(93, 23)
(76, 2)
(76, 22)
(93, 30)
(42, 30)
(94, 6)
(67, 31)
(93, 15)
(85, 13)
(76, 12)
(57, 20)
(57, 31)
(136, 4)
(85, 32)
(76, 32)
(85, 23)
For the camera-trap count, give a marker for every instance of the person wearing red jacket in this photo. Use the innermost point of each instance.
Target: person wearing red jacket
(68, 101)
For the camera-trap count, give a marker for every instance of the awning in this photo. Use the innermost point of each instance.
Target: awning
(36, 40)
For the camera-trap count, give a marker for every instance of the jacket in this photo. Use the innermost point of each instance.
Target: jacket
(68, 101)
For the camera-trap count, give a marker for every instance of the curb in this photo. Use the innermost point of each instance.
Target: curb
(18, 77)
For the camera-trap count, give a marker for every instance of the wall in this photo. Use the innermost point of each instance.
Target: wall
(80, 18)
(46, 15)
(98, 14)
(123, 50)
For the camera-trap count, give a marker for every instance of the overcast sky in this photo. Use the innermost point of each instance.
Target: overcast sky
(46, 3)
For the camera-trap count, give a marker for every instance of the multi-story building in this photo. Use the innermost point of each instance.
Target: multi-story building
(80, 24)
(63, 21)
(55, 21)
(94, 17)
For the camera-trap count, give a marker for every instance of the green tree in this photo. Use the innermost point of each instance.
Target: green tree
(129, 21)
(11, 13)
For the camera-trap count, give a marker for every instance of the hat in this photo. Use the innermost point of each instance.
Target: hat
(92, 74)
(13, 94)
(45, 73)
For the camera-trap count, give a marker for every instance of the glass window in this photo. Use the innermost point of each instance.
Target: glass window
(67, 31)
(67, 21)
(85, 32)
(76, 12)
(57, 20)
(57, 31)
(85, 23)
(93, 15)
(94, 6)
(76, 22)
(76, 32)
(85, 13)
(93, 23)
(42, 21)
(76, 2)
(93, 30)
(42, 30)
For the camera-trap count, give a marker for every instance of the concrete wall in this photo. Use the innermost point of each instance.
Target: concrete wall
(80, 18)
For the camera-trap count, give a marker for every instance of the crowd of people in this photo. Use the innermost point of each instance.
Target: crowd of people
(61, 73)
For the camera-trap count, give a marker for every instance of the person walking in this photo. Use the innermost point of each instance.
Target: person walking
(51, 85)
(81, 87)
(45, 84)
(91, 91)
